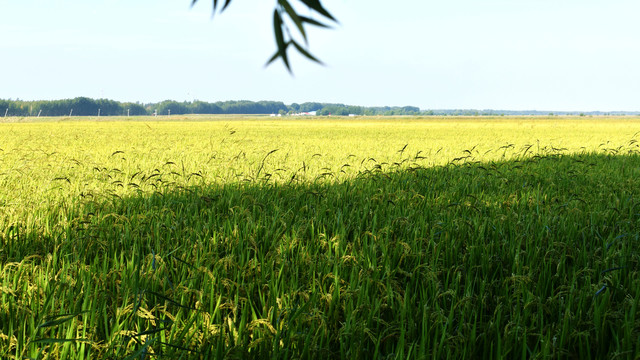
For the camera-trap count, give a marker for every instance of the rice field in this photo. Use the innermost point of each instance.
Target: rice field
(365, 238)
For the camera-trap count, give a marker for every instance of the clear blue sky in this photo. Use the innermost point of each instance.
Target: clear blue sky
(493, 54)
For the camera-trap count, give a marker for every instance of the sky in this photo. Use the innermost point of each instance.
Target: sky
(556, 55)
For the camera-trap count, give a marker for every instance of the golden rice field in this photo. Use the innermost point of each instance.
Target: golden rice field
(366, 238)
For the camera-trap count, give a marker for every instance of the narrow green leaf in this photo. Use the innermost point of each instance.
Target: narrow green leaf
(313, 22)
(50, 296)
(285, 58)
(317, 6)
(294, 17)
(59, 319)
(273, 58)
(279, 34)
(56, 322)
(183, 262)
(58, 341)
(147, 332)
(170, 300)
(179, 347)
(307, 54)
(215, 5)
(277, 30)
(140, 351)
(186, 328)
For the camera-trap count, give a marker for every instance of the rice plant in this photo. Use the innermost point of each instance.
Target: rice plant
(369, 238)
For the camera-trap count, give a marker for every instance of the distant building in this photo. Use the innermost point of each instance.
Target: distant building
(310, 113)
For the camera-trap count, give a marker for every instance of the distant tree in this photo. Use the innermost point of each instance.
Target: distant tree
(336, 109)
(132, 109)
(83, 106)
(55, 107)
(410, 110)
(201, 107)
(13, 108)
(310, 106)
(109, 107)
(356, 110)
(172, 107)
(271, 107)
(283, 14)
(294, 108)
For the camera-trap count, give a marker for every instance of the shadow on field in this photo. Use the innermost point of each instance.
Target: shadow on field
(519, 259)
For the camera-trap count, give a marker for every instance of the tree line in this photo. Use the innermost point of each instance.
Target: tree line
(80, 106)
(83, 106)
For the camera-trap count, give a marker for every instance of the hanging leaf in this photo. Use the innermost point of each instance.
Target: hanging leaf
(317, 6)
(215, 5)
(304, 52)
(313, 22)
(294, 17)
(282, 46)
(283, 37)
